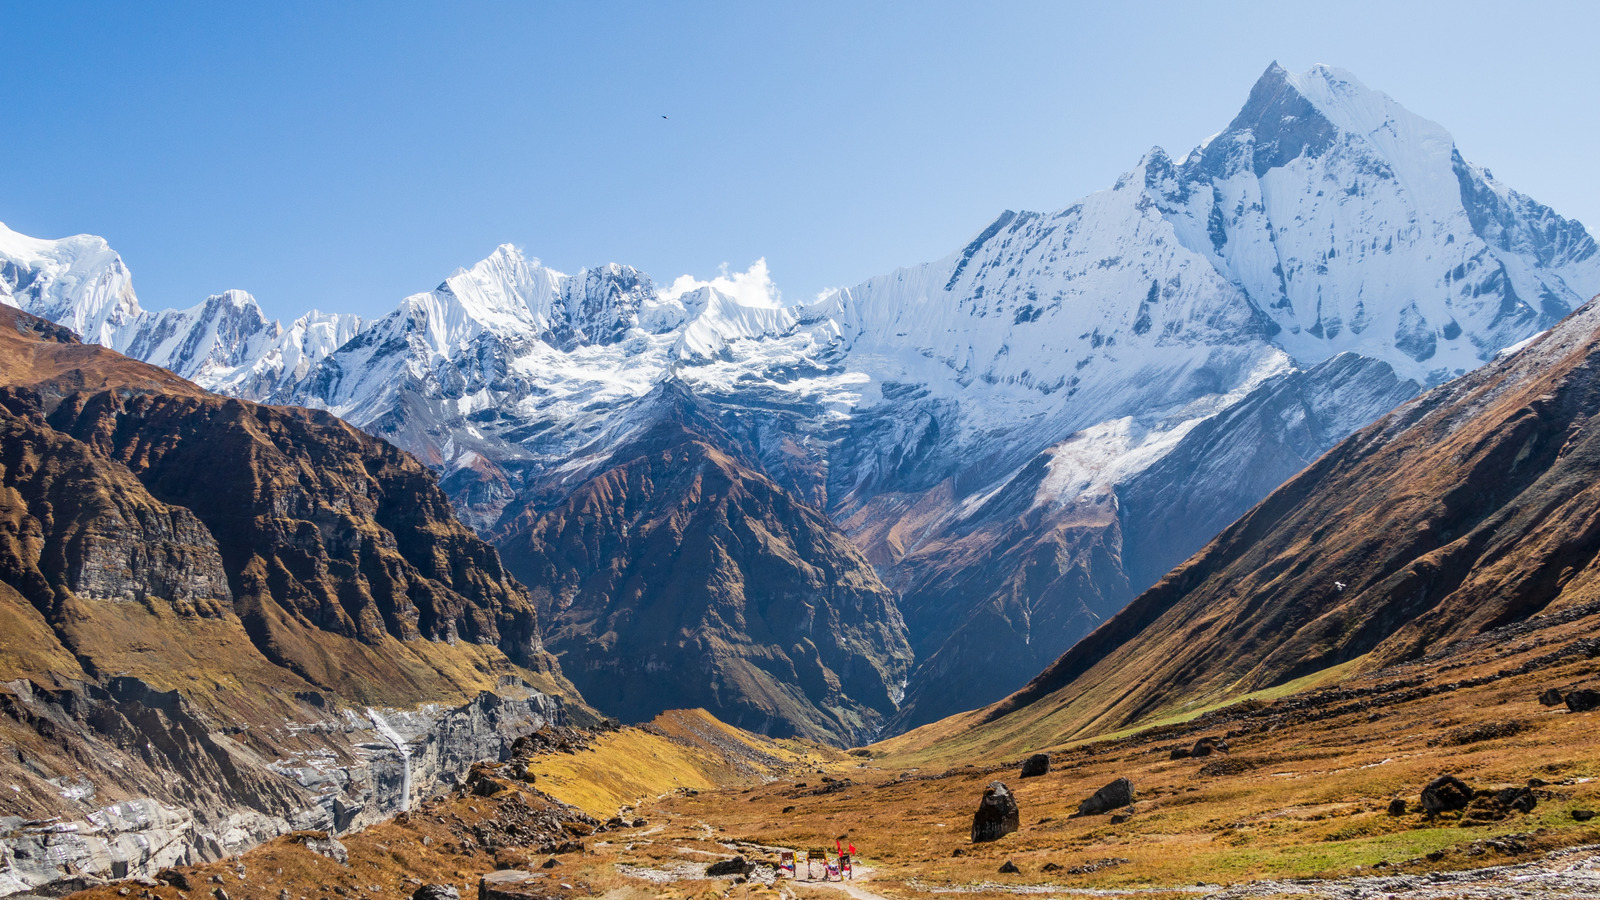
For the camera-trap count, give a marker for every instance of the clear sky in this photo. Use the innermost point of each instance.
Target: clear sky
(342, 155)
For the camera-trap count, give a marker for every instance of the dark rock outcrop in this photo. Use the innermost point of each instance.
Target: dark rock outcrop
(1445, 793)
(1115, 795)
(1035, 765)
(997, 814)
(1009, 868)
(1488, 806)
(1551, 697)
(1582, 700)
(730, 867)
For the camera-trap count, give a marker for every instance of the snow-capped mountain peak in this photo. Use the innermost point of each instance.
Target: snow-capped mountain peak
(715, 320)
(1355, 225)
(79, 282)
(224, 342)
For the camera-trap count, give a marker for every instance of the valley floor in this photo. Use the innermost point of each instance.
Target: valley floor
(1300, 805)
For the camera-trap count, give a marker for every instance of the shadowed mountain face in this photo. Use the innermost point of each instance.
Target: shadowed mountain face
(192, 587)
(1469, 508)
(678, 575)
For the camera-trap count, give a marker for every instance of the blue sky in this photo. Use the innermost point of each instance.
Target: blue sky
(342, 155)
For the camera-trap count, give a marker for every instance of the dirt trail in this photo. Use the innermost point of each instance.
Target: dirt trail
(853, 888)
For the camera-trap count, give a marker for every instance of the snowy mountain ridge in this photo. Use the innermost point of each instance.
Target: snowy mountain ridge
(225, 343)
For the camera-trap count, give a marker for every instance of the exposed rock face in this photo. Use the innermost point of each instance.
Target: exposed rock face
(200, 601)
(678, 575)
(1115, 795)
(997, 814)
(195, 795)
(317, 521)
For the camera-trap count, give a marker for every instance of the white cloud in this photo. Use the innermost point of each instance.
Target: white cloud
(752, 287)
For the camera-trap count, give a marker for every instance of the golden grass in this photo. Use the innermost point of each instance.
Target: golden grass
(633, 766)
(1304, 797)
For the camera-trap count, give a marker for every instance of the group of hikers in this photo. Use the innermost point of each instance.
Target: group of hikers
(801, 864)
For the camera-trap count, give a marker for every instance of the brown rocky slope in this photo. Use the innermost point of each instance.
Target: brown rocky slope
(202, 601)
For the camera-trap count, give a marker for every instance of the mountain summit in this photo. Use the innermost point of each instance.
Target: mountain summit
(1018, 437)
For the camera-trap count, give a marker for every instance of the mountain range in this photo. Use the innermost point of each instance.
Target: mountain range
(854, 516)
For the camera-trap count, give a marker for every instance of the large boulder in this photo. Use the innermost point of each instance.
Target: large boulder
(1446, 792)
(997, 814)
(1036, 765)
(436, 892)
(1583, 700)
(1115, 795)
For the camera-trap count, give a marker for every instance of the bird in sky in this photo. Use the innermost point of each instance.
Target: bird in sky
(663, 117)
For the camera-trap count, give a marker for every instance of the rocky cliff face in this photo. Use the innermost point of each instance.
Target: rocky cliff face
(203, 602)
(123, 780)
